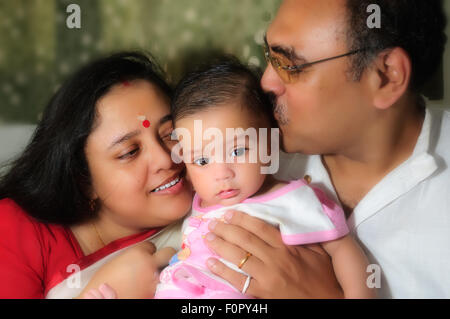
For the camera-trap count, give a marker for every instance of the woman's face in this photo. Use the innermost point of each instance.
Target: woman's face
(130, 161)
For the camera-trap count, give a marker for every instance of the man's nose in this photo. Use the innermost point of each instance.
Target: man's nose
(271, 82)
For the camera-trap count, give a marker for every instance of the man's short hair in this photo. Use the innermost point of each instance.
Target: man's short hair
(417, 26)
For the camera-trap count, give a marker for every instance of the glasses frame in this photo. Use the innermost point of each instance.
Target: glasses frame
(274, 61)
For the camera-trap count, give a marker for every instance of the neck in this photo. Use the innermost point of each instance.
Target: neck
(110, 230)
(384, 143)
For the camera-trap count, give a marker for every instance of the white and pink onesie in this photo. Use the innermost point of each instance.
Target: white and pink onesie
(303, 214)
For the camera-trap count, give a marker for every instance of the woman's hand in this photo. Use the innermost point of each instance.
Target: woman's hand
(103, 292)
(132, 274)
(277, 270)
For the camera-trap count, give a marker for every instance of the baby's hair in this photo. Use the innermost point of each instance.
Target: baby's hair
(222, 82)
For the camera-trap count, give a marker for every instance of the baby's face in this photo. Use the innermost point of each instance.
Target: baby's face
(223, 169)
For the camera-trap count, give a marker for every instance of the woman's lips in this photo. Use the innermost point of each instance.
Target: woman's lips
(172, 190)
(229, 193)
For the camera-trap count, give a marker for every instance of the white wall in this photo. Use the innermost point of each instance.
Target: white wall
(13, 138)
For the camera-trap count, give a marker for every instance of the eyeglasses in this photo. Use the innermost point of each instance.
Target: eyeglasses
(288, 72)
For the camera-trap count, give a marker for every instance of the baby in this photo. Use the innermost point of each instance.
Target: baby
(220, 117)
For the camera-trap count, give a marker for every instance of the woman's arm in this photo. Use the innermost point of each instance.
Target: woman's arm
(277, 270)
(21, 254)
(350, 265)
(132, 274)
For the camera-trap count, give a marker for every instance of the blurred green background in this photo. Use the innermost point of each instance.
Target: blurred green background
(38, 51)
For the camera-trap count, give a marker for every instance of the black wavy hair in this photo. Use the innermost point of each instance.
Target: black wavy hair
(223, 79)
(417, 26)
(50, 180)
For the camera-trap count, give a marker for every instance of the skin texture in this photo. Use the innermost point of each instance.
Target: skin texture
(362, 129)
(125, 174)
(224, 173)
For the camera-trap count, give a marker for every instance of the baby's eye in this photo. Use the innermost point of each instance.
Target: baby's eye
(201, 161)
(239, 151)
(173, 136)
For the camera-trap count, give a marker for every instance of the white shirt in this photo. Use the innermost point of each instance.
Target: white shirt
(403, 223)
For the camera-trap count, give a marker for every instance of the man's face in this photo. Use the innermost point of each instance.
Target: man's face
(323, 110)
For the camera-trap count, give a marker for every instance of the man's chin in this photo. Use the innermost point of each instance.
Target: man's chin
(290, 145)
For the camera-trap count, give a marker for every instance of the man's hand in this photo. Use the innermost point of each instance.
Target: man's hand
(277, 270)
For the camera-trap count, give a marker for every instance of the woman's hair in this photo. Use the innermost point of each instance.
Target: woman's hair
(224, 81)
(51, 179)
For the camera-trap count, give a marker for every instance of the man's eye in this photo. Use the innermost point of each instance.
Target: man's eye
(129, 154)
(239, 151)
(201, 161)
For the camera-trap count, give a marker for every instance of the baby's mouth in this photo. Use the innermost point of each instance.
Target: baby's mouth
(228, 193)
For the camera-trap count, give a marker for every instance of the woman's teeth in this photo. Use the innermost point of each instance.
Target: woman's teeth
(163, 187)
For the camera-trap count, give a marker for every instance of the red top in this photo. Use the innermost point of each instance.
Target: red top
(34, 256)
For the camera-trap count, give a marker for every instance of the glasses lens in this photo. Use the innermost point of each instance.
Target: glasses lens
(278, 65)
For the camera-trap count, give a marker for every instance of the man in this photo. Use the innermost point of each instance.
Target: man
(371, 143)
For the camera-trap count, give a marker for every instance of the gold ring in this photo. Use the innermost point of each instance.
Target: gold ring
(244, 260)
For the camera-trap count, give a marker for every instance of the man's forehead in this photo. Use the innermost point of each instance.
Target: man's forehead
(301, 23)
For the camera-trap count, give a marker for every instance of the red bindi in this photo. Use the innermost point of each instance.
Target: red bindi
(146, 123)
(126, 83)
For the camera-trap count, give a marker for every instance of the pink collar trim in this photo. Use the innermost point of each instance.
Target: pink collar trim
(293, 185)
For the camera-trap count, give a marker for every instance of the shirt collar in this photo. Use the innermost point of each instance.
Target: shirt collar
(419, 166)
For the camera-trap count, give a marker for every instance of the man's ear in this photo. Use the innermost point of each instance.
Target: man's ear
(389, 77)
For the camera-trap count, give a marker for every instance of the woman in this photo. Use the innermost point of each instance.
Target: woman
(87, 184)
(97, 178)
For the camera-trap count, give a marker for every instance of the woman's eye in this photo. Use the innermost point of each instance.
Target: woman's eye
(129, 154)
(201, 161)
(239, 151)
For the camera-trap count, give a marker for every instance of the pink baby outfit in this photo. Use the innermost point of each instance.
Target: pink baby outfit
(303, 214)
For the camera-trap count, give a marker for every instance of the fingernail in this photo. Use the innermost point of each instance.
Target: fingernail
(229, 215)
(212, 224)
(210, 236)
(211, 263)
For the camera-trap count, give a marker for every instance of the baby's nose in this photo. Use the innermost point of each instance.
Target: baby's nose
(224, 172)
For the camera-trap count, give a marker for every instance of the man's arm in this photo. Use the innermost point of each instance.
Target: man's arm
(277, 270)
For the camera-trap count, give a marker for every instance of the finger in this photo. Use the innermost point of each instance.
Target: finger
(242, 238)
(316, 248)
(89, 295)
(107, 292)
(266, 232)
(233, 254)
(94, 294)
(162, 256)
(235, 278)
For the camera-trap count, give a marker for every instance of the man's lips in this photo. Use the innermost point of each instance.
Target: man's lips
(229, 193)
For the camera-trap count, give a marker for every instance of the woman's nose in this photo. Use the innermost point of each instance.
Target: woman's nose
(159, 158)
(271, 82)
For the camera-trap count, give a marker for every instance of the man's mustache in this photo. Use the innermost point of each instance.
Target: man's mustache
(279, 110)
